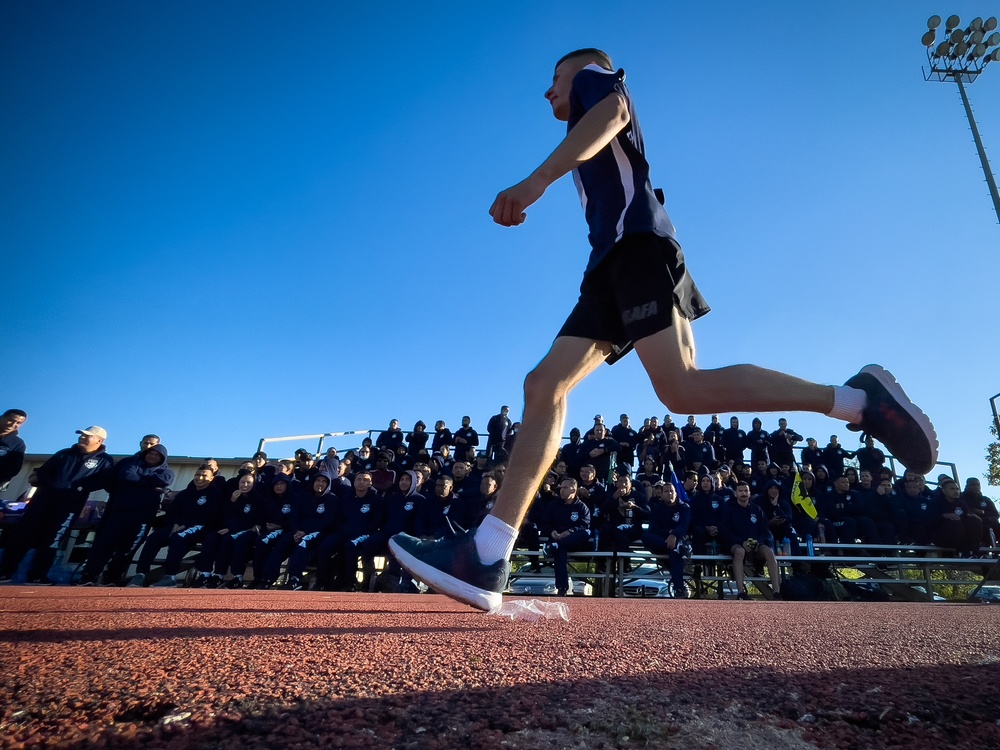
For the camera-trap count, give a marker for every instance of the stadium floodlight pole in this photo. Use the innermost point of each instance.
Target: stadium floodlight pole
(996, 416)
(962, 57)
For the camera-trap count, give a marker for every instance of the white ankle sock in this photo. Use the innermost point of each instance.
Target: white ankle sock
(494, 540)
(848, 403)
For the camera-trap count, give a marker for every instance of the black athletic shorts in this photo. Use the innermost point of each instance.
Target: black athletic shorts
(633, 292)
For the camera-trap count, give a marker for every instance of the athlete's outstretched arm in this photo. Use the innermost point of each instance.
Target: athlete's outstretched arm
(596, 129)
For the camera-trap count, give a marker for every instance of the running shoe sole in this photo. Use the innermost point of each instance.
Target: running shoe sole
(920, 459)
(444, 583)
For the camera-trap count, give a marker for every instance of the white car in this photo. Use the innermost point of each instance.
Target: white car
(546, 587)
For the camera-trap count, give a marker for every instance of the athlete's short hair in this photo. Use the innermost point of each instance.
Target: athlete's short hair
(598, 56)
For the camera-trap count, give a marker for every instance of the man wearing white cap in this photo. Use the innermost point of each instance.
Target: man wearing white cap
(64, 483)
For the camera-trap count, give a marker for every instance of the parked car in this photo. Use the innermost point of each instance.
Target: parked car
(988, 594)
(546, 587)
(935, 597)
(638, 585)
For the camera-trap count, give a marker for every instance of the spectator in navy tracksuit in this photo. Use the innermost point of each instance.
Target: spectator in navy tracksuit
(834, 455)
(706, 518)
(698, 452)
(191, 515)
(572, 454)
(745, 532)
(778, 514)
(274, 528)
(627, 439)
(759, 443)
(734, 441)
(390, 439)
(315, 516)
(843, 514)
(402, 507)
(238, 519)
(983, 507)
(133, 502)
(957, 527)
(12, 448)
(470, 508)
(417, 440)
(623, 515)
(64, 483)
(812, 454)
(669, 521)
(601, 452)
(433, 516)
(358, 533)
(466, 440)
(567, 526)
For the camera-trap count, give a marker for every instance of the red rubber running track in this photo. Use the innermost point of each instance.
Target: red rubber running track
(221, 669)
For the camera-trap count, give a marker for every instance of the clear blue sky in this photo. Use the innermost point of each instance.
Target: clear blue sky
(226, 220)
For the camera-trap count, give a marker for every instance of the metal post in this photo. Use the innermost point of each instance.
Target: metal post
(982, 151)
(996, 417)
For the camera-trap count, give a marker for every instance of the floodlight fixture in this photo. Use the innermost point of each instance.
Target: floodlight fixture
(962, 57)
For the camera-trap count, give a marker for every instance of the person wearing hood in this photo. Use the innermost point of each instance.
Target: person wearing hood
(315, 516)
(759, 443)
(802, 519)
(238, 516)
(63, 482)
(778, 514)
(957, 527)
(984, 508)
(734, 441)
(706, 517)
(572, 453)
(417, 440)
(402, 507)
(191, 515)
(274, 526)
(133, 503)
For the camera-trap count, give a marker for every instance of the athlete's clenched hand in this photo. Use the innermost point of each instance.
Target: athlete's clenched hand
(508, 208)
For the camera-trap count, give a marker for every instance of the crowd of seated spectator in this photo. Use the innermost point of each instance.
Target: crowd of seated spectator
(672, 490)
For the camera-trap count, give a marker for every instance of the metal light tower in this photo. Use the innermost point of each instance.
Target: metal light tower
(962, 57)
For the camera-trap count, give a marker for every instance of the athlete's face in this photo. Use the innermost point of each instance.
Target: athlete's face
(562, 84)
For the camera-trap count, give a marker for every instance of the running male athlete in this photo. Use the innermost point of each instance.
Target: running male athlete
(636, 292)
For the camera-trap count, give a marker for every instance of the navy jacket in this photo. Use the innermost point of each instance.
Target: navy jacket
(138, 486)
(561, 516)
(673, 518)
(73, 474)
(740, 524)
(12, 450)
(193, 507)
(360, 516)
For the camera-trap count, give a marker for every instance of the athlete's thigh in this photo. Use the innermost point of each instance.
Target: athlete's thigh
(668, 354)
(570, 360)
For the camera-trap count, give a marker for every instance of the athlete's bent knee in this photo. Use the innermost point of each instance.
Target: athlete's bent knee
(679, 393)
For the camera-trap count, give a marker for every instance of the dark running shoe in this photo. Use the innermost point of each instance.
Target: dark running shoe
(214, 581)
(451, 566)
(895, 421)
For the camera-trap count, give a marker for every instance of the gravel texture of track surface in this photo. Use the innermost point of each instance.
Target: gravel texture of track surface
(177, 668)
